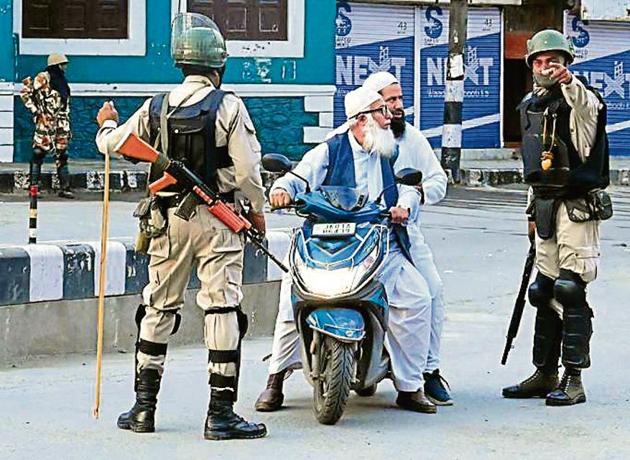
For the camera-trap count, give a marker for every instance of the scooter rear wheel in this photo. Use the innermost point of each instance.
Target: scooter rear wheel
(332, 388)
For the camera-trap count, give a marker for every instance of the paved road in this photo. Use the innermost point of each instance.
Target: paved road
(80, 220)
(478, 239)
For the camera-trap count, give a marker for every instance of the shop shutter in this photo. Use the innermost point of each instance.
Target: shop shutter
(603, 57)
(372, 38)
(483, 62)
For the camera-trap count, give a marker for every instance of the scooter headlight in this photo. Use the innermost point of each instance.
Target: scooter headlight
(330, 282)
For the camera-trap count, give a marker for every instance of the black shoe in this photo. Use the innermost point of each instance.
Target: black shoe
(435, 387)
(223, 424)
(569, 392)
(538, 385)
(141, 417)
(271, 398)
(415, 401)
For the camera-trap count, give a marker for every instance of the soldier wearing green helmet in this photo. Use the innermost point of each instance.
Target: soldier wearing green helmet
(565, 162)
(210, 131)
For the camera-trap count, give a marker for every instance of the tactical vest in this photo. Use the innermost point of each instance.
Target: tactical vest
(551, 164)
(341, 173)
(191, 137)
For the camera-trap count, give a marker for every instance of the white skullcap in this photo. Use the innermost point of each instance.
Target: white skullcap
(359, 100)
(379, 80)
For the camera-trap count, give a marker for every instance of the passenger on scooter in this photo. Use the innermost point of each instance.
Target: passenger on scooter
(367, 140)
(414, 151)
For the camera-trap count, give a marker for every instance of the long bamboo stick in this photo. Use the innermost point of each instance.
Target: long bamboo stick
(102, 277)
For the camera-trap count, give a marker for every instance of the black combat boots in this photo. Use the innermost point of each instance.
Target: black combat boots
(538, 385)
(271, 398)
(141, 417)
(223, 424)
(570, 390)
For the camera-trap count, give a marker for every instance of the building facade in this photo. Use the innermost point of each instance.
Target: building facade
(287, 82)
(292, 61)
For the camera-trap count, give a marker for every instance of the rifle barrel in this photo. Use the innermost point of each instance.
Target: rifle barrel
(519, 305)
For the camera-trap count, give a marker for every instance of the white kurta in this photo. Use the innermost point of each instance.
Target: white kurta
(407, 340)
(416, 152)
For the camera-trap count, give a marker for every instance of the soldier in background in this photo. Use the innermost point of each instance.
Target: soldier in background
(47, 97)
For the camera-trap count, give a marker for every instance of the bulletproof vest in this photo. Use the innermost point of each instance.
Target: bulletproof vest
(191, 137)
(551, 163)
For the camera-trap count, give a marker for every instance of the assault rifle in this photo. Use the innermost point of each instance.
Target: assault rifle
(519, 305)
(175, 172)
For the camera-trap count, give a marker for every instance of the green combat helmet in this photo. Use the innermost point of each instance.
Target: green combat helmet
(549, 40)
(196, 40)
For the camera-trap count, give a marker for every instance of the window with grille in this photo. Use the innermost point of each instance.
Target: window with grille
(98, 19)
(245, 19)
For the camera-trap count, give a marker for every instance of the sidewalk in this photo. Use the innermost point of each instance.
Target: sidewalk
(128, 177)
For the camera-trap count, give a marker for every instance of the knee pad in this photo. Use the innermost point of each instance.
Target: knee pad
(541, 291)
(141, 311)
(243, 323)
(569, 290)
(178, 322)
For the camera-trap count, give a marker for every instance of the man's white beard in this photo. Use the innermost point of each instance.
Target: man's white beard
(377, 139)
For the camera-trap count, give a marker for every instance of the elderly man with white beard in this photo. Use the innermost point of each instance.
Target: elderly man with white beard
(414, 151)
(362, 157)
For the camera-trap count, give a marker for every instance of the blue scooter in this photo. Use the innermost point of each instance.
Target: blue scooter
(339, 303)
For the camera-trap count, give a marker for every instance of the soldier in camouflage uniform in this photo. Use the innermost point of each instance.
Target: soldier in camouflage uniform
(47, 97)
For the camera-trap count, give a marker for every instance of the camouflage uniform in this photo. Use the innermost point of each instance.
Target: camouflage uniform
(51, 115)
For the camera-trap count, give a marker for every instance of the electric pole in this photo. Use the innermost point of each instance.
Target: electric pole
(454, 90)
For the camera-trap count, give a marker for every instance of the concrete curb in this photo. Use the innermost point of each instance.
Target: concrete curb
(48, 300)
(476, 177)
(135, 180)
(69, 271)
(120, 179)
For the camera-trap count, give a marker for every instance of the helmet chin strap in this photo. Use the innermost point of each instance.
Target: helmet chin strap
(216, 76)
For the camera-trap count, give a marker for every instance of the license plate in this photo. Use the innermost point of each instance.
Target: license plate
(334, 230)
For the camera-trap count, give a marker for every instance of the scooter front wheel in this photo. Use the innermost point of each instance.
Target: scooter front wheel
(332, 387)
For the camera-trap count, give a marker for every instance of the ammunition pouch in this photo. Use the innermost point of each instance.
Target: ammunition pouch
(545, 216)
(597, 205)
(153, 222)
(580, 210)
(602, 204)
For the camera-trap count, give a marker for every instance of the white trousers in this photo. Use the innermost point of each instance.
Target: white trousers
(409, 327)
(423, 260)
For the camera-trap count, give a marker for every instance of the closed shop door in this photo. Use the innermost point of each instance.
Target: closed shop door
(603, 58)
(372, 38)
(483, 71)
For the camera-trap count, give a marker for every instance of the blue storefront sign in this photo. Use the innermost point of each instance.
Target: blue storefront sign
(372, 38)
(602, 56)
(482, 86)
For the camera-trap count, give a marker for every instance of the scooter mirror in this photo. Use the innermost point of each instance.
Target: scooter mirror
(274, 162)
(409, 176)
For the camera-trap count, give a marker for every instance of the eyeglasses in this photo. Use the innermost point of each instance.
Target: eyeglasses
(383, 109)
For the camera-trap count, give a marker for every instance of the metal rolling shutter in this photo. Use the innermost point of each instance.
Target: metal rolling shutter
(482, 100)
(603, 58)
(372, 38)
